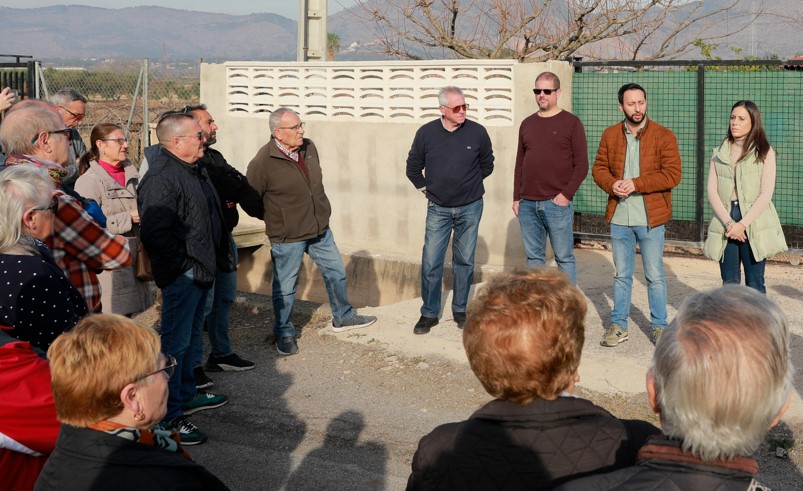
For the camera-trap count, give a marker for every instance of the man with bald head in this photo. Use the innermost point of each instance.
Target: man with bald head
(182, 230)
(33, 132)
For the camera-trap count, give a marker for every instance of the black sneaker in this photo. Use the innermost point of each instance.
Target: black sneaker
(287, 345)
(460, 319)
(228, 363)
(424, 324)
(202, 381)
(356, 322)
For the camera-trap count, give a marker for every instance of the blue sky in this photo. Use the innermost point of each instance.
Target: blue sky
(287, 8)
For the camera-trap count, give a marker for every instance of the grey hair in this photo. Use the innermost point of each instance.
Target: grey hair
(66, 96)
(24, 123)
(171, 124)
(443, 95)
(723, 372)
(22, 187)
(276, 116)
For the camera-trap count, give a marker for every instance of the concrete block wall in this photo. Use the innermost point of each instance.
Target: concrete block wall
(378, 217)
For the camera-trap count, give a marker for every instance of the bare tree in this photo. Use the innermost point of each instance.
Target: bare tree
(539, 30)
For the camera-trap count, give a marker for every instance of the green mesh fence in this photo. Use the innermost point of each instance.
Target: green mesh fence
(675, 102)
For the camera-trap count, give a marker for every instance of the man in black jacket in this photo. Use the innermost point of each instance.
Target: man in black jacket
(232, 188)
(183, 231)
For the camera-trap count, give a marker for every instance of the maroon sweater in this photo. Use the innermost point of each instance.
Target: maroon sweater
(552, 157)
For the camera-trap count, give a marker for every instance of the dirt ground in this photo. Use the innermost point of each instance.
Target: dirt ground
(347, 411)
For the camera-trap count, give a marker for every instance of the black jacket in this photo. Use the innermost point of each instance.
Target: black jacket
(663, 465)
(232, 188)
(179, 210)
(537, 446)
(86, 459)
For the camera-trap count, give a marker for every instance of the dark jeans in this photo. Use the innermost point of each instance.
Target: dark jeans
(737, 253)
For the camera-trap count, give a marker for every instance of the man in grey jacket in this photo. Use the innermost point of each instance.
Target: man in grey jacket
(287, 174)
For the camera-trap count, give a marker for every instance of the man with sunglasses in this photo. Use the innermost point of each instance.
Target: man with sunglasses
(447, 162)
(183, 231)
(551, 163)
(72, 109)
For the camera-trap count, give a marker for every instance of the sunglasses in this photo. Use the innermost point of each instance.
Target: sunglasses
(52, 206)
(66, 132)
(457, 109)
(544, 91)
(168, 369)
(199, 135)
(77, 116)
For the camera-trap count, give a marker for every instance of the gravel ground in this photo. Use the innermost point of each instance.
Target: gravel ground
(347, 411)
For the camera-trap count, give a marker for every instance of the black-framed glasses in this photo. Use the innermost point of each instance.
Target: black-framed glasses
(189, 109)
(544, 91)
(52, 206)
(168, 369)
(292, 128)
(66, 132)
(457, 109)
(120, 141)
(77, 116)
(199, 136)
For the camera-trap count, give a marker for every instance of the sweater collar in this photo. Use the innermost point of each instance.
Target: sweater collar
(661, 447)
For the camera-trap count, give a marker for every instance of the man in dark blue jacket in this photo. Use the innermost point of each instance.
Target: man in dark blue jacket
(182, 230)
(448, 161)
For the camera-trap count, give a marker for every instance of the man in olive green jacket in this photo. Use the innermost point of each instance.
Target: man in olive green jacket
(287, 174)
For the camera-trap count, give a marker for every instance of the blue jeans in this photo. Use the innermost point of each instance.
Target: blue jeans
(739, 252)
(216, 312)
(441, 220)
(286, 258)
(182, 327)
(651, 244)
(541, 218)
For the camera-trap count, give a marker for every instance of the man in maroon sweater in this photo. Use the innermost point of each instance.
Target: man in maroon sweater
(551, 163)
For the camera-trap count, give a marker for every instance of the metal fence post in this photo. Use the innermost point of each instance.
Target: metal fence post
(146, 127)
(701, 154)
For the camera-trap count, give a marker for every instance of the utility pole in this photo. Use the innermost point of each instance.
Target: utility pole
(312, 30)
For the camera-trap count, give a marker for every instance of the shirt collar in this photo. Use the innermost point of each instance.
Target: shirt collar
(286, 151)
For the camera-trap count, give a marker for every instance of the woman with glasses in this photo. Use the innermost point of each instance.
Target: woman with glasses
(109, 381)
(745, 229)
(109, 178)
(38, 302)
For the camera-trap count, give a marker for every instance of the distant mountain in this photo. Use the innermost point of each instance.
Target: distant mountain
(70, 32)
(164, 34)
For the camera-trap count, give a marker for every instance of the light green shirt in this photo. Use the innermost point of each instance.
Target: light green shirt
(630, 211)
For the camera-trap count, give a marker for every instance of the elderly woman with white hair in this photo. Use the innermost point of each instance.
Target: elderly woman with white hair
(38, 301)
(720, 378)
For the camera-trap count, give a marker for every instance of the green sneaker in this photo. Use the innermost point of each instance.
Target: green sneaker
(203, 401)
(613, 336)
(188, 433)
(656, 335)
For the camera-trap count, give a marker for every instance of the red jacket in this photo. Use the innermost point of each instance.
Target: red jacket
(28, 425)
(659, 161)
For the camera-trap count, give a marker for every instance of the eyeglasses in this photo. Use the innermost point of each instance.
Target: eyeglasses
(457, 109)
(168, 369)
(77, 116)
(120, 141)
(199, 136)
(544, 91)
(52, 206)
(292, 128)
(66, 132)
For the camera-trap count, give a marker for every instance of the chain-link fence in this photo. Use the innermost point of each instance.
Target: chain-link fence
(131, 95)
(694, 100)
